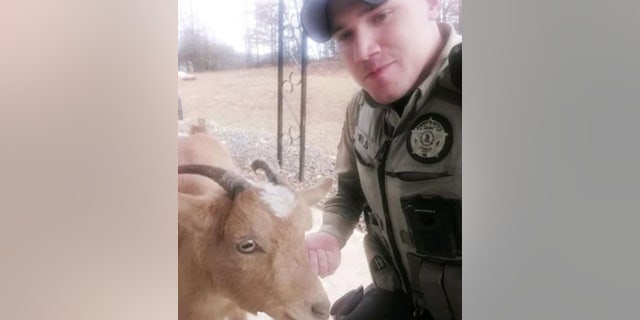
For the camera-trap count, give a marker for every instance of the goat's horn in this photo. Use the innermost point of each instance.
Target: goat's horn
(271, 175)
(229, 181)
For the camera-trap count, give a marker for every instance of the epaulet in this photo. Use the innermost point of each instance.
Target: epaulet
(450, 77)
(455, 65)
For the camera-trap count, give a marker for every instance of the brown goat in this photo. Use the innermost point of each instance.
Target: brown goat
(241, 244)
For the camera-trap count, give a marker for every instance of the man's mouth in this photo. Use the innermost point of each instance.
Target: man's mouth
(377, 70)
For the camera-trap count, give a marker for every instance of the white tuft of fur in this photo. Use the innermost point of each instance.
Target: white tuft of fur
(280, 199)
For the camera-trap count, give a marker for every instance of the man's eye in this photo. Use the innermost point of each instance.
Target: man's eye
(344, 36)
(382, 15)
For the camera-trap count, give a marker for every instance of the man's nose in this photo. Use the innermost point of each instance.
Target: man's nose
(365, 45)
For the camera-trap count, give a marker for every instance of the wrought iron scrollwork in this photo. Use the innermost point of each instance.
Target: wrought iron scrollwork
(292, 55)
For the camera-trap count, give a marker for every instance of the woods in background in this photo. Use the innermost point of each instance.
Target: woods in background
(199, 50)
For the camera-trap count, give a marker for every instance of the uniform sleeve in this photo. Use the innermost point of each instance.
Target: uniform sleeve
(342, 212)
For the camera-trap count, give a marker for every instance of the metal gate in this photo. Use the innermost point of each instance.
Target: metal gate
(292, 81)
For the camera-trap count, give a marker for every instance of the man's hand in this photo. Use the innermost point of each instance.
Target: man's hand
(323, 250)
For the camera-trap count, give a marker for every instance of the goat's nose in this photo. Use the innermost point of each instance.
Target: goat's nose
(320, 309)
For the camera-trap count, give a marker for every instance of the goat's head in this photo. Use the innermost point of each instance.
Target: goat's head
(250, 241)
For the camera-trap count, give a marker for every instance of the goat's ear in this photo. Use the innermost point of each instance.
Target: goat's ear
(192, 213)
(313, 195)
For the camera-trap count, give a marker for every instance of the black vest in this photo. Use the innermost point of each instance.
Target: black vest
(410, 169)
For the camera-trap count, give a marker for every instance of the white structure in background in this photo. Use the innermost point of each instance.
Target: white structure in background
(185, 76)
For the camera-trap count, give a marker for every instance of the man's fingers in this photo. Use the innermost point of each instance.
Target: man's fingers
(323, 267)
(313, 260)
(334, 261)
(323, 252)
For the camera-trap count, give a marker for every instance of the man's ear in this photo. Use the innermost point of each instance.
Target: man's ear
(434, 9)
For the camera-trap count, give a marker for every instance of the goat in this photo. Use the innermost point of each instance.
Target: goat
(201, 147)
(241, 243)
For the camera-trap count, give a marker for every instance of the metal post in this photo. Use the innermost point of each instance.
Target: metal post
(300, 49)
(303, 102)
(280, 76)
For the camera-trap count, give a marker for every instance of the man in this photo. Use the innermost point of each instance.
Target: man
(399, 158)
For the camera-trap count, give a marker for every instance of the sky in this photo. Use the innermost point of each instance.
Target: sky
(223, 18)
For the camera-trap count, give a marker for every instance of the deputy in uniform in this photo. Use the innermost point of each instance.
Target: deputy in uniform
(399, 158)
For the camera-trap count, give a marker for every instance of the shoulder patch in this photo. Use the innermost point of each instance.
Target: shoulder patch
(430, 139)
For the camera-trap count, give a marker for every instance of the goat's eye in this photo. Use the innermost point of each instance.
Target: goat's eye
(246, 246)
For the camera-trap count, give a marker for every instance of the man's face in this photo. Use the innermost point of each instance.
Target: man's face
(386, 47)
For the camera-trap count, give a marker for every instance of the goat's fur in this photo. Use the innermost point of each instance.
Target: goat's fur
(216, 280)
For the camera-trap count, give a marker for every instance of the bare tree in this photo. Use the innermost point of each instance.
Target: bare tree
(197, 47)
(450, 12)
(264, 33)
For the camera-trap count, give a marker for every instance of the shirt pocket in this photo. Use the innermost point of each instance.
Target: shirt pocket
(365, 149)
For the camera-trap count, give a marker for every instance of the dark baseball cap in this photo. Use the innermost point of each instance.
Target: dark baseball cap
(315, 20)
